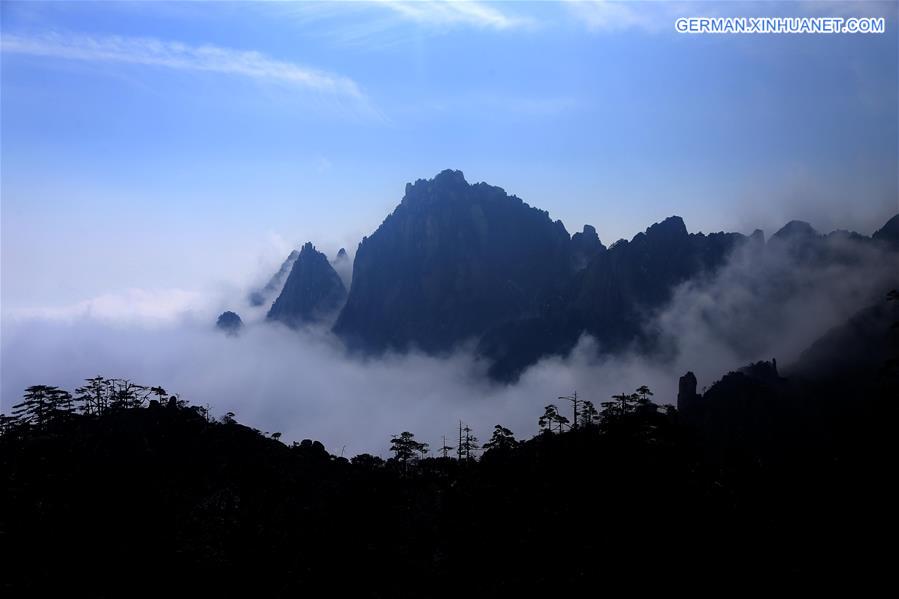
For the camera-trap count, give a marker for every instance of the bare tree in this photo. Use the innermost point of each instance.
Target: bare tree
(574, 402)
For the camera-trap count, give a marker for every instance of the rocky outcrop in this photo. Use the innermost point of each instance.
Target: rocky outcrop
(686, 392)
(343, 267)
(312, 293)
(229, 322)
(585, 246)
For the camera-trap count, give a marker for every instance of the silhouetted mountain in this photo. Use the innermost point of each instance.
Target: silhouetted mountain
(265, 295)
(856, 349)
(457, 262)
(343, 267)
(585, 246)
(229, 322)
(844, 376)
(451, 261)
(795, 229)
(611, 297)
(889, 233)
(313, 291)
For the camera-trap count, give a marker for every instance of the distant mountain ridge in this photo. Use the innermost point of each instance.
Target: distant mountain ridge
(459, 263)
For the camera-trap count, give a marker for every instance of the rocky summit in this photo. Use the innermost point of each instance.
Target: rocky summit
(585, 246)
(312, 293)
(450, 262)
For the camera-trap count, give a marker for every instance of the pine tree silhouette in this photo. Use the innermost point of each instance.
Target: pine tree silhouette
(43, 404)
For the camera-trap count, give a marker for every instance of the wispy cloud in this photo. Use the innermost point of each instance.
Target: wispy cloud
(133, 306)
(616, 15)
(176, 55)
(456, 12)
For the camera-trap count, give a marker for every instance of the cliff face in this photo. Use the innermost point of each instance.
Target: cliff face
(450, 262)
(585, 246)
(312, 293)
(610, 297)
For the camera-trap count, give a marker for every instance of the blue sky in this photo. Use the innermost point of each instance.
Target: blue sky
(170, 146)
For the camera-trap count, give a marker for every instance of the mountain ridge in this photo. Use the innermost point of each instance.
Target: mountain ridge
(457, 263)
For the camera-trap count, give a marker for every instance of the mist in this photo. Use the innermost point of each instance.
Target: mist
(772, 301)
(766, 302)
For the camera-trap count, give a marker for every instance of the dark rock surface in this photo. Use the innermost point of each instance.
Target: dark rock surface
(229, 322)
(312, 293)
(450, 262)
(585, 246)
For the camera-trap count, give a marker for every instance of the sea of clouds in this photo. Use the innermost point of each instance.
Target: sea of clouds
(762, 304)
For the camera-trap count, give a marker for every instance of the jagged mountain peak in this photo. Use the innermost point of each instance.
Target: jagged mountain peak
(312, 293)
(443, 182)
(889, 232)
(451, 260)
(673, 226)
(585, 246)
(796, 229)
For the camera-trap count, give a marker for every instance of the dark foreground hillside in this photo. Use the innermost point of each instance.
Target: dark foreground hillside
(132, 496)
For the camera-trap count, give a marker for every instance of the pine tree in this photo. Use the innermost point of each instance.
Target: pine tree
(469, 444)
(43, 404)
(551, 417)
(502, 440)
(94, 396)
(126, 395)
(159, 392)
(404, 446)
(588, 415)
(7, 424)
(620, 405)
(644, 394)
(550, 413)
